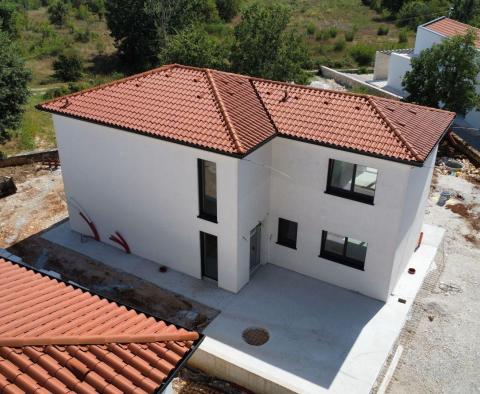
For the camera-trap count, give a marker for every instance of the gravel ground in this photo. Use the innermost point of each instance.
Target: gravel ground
(442, 339)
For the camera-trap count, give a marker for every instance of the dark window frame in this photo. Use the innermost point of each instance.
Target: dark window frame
(201, 194)
(350, 194)
(344, 260)
(285, 241)
(203, 236)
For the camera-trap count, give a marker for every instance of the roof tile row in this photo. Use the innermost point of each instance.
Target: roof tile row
(39, 310)
(234, 114)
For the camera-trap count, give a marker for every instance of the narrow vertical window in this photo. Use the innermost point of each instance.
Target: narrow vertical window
(209, 252)
(207, 182)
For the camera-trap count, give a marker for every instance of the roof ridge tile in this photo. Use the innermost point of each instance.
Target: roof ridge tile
(402, 139)
(226, 117)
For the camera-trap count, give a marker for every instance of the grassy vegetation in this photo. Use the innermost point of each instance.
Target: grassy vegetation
(333, 29)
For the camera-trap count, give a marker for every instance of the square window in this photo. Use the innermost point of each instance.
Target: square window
(353, 181)
(343, 250)
(287, 233)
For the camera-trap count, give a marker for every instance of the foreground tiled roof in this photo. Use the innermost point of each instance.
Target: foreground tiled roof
(448, 27)
(234, 114)
(58, 339)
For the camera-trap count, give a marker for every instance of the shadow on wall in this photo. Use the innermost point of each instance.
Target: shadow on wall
(312, 325)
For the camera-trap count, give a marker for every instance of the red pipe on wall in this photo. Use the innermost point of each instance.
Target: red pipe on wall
(419, 242)
(92, 226)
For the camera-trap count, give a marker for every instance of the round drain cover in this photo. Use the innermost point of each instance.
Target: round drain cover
(255, 336)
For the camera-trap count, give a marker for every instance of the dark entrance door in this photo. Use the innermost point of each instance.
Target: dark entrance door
(209, 252)
(255, 241)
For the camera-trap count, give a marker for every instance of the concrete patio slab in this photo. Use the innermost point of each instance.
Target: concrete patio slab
(323, 338)
(202, 291)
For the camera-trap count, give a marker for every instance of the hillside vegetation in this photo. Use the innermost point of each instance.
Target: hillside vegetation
(338, 33)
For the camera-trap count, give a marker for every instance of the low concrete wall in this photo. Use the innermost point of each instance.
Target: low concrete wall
(350, 82)
(30, 157)
(220, 368)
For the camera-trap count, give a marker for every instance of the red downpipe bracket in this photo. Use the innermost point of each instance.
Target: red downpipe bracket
(419, 242)
(92, 226)
(117, 238)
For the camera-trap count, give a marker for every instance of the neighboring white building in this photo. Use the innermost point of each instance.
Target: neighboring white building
(212, 174)
(391, 66)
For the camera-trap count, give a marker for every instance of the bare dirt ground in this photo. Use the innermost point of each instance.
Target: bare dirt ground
(442, 339)
(38, 203)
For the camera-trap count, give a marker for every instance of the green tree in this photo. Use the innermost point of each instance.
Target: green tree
(194, 47)
(8, 17)
(414, 13)
(227, 9)
(58, 12)
(263, 46)
(140, 27)
(393, 5)
(68, 66)
(13, 86)
(445, 75)
(464, 10)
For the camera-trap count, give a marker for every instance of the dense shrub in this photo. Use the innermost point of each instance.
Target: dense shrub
(194, 47)
(362, 54)
(349, 35)
(13, 86)
(402, 37)
(383, 30)
(8, 17)
(58, 12)
(310, 28)
(68, 66)
(414, 13)
(82, 35)
(227, 9)
(339, 45)
(325, 34)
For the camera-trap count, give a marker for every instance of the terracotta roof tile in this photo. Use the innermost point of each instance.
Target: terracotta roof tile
(449, 27)
(233, 114)
(54, 323)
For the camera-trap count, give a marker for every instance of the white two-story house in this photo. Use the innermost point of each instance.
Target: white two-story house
(213, 174)
(392, 65)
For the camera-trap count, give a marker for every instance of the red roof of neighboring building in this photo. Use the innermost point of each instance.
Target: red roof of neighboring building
(234, 114)
(58, 339)
(448, 27)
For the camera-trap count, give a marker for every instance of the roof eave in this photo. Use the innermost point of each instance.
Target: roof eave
(75, 285)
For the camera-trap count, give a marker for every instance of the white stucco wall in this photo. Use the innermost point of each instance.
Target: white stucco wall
(398, 66)
(253, 205)
(299, 195)
(413, 213)
(147, 189)
(426, 39)
(382, 61)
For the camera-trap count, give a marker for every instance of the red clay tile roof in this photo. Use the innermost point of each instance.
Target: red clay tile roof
(448, 27)
(233, 114)
(58, 339)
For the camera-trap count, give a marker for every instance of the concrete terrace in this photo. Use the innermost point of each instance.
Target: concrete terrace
(323, 338)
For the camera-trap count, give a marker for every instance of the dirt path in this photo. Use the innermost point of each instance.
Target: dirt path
(442, 339)
(38, 203)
